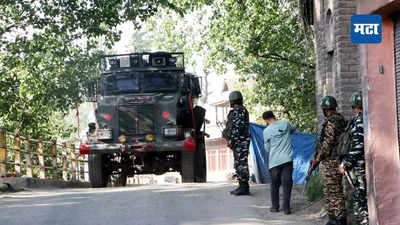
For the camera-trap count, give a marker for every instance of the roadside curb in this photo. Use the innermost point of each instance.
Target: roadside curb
(20, 183)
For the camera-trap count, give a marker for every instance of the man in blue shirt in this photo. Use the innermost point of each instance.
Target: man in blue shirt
(280, 155)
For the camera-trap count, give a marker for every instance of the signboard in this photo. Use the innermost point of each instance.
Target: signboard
(366, 29)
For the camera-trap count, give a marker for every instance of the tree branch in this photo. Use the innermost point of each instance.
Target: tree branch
(8, 29)
(276, 56)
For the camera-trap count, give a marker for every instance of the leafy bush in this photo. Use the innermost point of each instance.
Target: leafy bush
(314, 189)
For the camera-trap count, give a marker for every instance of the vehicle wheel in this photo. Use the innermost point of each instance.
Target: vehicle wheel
(123, 178)
(187, 163)
(118, 180)
(97, 173)
(200, 164)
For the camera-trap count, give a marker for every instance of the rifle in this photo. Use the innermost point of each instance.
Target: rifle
(308, 177)
(220, 126)
(348, 177)
(309, 174)
(225, 130)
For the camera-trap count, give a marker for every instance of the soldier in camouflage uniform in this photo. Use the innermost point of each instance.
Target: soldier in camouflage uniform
(355, 159)
(333, 125)
(237, 136)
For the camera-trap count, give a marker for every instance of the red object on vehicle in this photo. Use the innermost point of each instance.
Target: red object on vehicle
(123, 148)
(148, 147)
(189, 144)
(165, 115)
(84, 149)
(107, 116)
(138, 147)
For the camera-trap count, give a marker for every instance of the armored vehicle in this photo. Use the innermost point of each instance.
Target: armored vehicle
(146, 119)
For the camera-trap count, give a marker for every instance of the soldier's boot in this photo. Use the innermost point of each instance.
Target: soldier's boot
(331, 221)
(342, 221)
(243, 189)
(234, 191)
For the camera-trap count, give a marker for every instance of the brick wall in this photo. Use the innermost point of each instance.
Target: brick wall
(338, 60)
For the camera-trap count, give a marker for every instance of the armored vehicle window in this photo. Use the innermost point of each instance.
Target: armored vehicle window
(127, 83)
(159, 82)
(121, 83)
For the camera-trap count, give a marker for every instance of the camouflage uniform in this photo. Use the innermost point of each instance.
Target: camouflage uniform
(237, 135)
(332, 127)
(355, 160)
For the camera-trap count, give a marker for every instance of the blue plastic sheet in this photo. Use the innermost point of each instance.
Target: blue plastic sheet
(303, 148)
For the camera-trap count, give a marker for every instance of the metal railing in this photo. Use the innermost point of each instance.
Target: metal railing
(25, 157)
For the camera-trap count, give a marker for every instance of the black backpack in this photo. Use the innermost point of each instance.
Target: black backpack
(344, 142)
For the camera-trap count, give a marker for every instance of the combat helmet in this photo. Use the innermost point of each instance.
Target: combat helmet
(235, 96)
(356, 99)
(328, 102)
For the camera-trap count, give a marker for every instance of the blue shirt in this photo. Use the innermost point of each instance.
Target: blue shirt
(277, 142)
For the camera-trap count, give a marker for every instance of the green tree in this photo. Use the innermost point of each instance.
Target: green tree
(48, 52)
(263, 39)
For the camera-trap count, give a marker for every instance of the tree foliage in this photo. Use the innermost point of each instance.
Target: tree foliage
(265, 42)
(48, 52)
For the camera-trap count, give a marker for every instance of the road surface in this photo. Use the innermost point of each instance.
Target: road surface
(178, 204)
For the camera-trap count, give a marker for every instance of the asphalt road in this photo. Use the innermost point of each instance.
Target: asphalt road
(179, 204)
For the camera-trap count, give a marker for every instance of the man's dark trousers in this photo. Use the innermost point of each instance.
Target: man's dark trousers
(281, 174)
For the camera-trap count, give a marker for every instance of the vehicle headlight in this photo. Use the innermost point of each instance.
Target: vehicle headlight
(170, 132)
(104, 134)
(187, 134)
(122, 138)
(149, 137)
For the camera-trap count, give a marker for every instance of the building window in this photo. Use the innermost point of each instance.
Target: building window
(223, 159)
(329, 34)
(212, 161)
(307, 11)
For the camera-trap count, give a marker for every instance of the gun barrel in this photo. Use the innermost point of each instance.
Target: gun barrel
(349, 179)
(219, 125)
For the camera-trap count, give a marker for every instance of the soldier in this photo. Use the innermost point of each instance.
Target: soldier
(333, 125)
(237, 136)
(355, 159)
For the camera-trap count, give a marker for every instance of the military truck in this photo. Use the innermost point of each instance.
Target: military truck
(146, 119)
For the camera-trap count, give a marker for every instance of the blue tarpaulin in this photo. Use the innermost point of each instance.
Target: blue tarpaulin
(303, 147)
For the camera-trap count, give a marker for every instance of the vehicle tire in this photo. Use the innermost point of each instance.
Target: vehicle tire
(123, 178)
(200, 164)
(187, 164)
(118, 180)
(97, 174)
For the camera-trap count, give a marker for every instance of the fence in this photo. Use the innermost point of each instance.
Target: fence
(22, 156)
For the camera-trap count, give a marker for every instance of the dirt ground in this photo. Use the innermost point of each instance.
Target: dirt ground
(303, 212)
